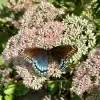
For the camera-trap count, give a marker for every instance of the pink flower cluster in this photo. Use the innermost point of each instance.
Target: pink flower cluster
(87, 73)
(46, 37)
(19, 5)
(39, 14)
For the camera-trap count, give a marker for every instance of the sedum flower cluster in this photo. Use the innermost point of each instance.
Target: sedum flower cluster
(39, 14)
(87, 73)
(80, 32)
(46, 37)
(18, 5)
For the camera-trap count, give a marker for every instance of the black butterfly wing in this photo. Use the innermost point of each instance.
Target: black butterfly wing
(60, 53)
(38, 58)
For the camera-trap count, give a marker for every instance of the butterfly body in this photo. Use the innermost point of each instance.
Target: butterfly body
(40, 57)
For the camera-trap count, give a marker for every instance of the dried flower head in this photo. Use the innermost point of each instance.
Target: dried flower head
(46, 37)
(18, 5)
(94, 55)
(93, 93)
(38, 14)
(79, 32)
(90, 6)
(87, 73)
(5, 75)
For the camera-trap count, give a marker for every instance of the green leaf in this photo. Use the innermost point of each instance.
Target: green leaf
(68, 69)
(84, 2)
(10, 89)
(38, 0)
(68, 85)
(78, 9)
(51, 1)
(21, 90)
(8, 97)
(75, 97)
(1, 98)
(3, 3)
(52, 86)
(1, 61)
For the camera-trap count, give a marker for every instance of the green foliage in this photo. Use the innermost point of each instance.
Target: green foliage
(8, 97)
(67, 85)
(1, 98)
(52, 86)
(1, 61)
(71, 6)
(75, 97)
(21, 89)
(51, 1)
(4, 10)
(9, 90)
(13, 90)
(6, 31)
(3, 4)
(96, 16)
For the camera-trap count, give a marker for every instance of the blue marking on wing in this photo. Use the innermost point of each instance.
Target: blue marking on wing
(40, 64)
(63, 65)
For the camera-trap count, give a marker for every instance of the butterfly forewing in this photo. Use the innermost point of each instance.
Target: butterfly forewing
(61, 53)
(33, 52)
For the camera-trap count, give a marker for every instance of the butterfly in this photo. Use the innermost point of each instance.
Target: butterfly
(39, 57)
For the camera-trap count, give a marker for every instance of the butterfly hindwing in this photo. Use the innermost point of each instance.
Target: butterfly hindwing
(40, 65)
(38, 58)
